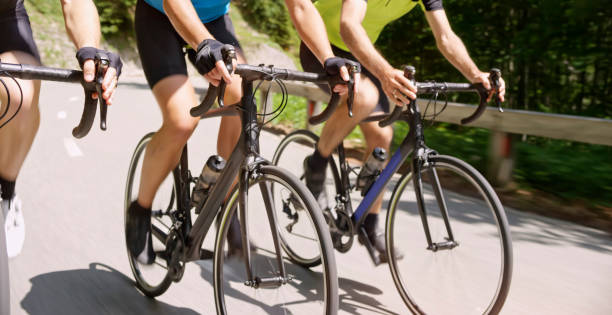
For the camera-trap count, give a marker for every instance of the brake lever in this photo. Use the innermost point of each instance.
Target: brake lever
(102, 62)
(353, 68)
(216, 91)
(89, 108)
(494, 76)
(228, 55)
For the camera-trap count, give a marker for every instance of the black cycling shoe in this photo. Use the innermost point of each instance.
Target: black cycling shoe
(234, 240)
(138, 234)
(315, 182)
(377, 239)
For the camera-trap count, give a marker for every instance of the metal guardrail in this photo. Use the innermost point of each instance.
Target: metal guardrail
(556, 126)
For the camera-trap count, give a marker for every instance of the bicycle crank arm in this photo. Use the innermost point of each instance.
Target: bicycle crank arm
(267, 283)
(365, 240)
(442, 246)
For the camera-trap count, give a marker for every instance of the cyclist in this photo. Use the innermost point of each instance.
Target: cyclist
(166, 31)
(17, 46)
(352, 28)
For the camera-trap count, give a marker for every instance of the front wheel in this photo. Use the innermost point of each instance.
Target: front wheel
(468, 268)
(271, 283)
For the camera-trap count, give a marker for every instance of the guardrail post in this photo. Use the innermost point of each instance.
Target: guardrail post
(314, 107)
(501, 159)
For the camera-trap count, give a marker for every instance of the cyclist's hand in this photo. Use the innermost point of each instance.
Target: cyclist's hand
(86, 55)
(209, 62)
(334, 66)
(397, 87)
(483, 78)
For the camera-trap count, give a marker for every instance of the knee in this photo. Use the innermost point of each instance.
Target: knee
(365, 100)
(181, 129)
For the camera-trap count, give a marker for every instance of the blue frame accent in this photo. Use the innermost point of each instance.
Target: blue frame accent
(380, 183)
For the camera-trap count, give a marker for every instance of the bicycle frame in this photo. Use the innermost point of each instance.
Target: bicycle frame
(243, 162)
(413, 142)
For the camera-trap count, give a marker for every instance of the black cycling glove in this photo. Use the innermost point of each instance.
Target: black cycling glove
(208, 53)
(86, 53)
(332, 65)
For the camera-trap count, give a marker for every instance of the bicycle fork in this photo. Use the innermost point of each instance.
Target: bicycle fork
(417, 164)
(255, 281)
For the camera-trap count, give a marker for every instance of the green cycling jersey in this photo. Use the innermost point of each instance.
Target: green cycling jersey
(379, 13)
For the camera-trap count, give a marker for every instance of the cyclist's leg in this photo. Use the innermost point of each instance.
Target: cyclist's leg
(340, 124)
(337, 127)
(16, 46)
(161, 53)
(230, 128)
(17, 136)
(376, 136)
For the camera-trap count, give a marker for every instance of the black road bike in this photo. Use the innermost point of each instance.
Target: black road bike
(263, 280)
(460, 261)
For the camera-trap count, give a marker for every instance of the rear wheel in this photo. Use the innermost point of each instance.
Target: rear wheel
(290, 155)
(269, 292)
(153, 280)
(468, 271)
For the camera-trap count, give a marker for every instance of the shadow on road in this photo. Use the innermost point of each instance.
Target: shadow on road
(97, 290)
(355, 297)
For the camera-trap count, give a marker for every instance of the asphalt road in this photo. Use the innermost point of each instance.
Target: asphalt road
(74, 259)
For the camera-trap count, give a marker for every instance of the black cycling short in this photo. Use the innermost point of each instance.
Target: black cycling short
(310, 63)
(15, 29)
(161, 48)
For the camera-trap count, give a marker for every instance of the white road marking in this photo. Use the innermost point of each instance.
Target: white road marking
(61, 114)
(72, 148)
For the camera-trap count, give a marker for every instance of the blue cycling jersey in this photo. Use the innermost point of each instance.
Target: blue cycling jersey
(208, 10)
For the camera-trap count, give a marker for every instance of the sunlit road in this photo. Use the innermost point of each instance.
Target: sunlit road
(74, 259)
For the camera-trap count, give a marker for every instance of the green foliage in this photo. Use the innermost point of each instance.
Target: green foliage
(269, 17)
(567, 169)
(554, 54)
(116, 16)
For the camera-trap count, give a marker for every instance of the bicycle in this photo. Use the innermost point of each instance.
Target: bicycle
(428, 200)
(178, 240)
(30, 72)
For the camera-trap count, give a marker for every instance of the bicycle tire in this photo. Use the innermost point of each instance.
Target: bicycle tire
(442, 164)
(5, 286)
(303, 138)
(150, 290)
(267, 175)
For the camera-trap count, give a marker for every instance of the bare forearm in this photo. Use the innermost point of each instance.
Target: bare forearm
(82, 22)
(455, 52)
(356, 39)
(186, 22)
(310, 27)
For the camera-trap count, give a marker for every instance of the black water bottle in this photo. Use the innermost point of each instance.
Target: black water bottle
(371, 169)
(210, 172)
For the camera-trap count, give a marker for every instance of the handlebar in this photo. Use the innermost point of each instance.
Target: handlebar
(30, 72)
(433, 87)
(253, 73)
